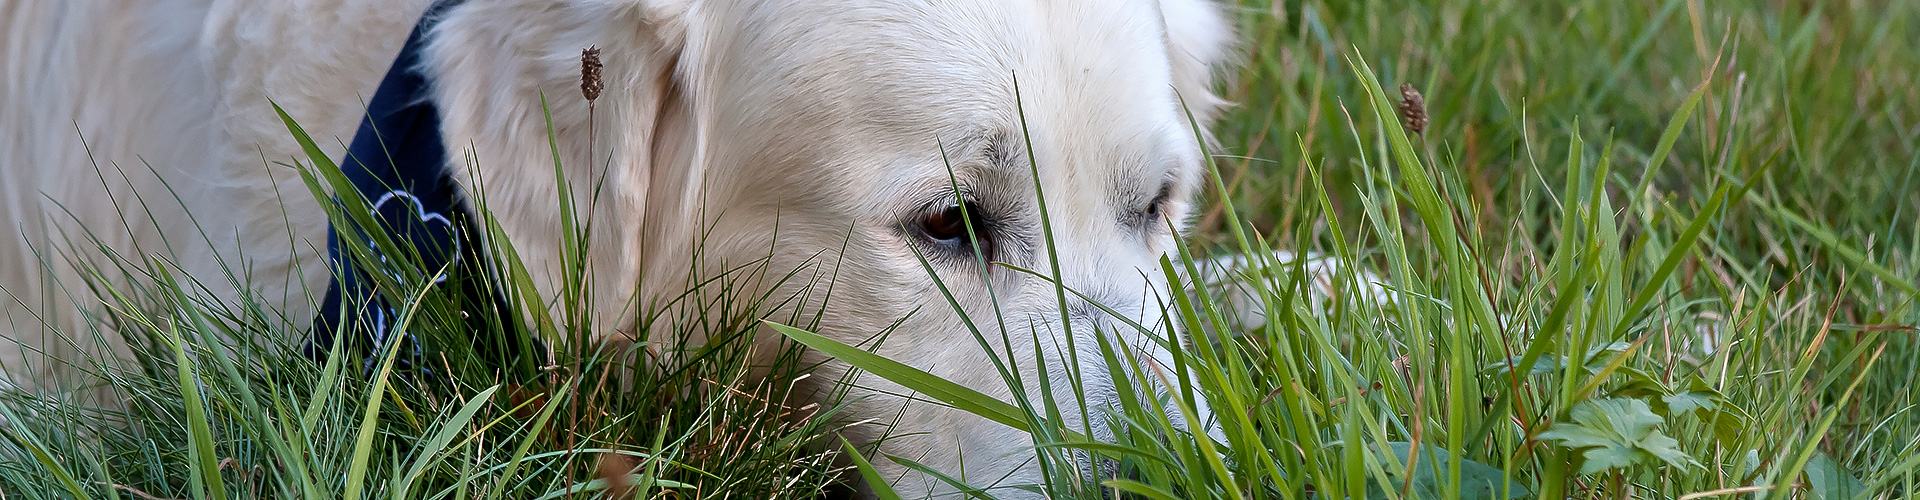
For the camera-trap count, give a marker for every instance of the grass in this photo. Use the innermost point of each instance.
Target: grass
(1640, 250)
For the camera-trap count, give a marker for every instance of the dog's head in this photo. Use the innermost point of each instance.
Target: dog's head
(867, 143)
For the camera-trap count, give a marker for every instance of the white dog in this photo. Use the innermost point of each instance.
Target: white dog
(824, 119)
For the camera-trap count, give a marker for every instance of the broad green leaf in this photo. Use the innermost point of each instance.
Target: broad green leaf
(1478, 481)
(1829, 481)
(1617, 433)
(1667, 449)
(1682, 403)
(1698, 396)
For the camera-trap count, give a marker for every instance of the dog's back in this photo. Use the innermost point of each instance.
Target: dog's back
(142, 130)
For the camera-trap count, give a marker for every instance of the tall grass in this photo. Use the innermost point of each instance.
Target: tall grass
(1640, 250)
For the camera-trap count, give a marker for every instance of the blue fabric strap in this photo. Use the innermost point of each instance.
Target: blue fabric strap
(398, 163)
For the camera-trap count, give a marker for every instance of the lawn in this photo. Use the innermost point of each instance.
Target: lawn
(1586, 249)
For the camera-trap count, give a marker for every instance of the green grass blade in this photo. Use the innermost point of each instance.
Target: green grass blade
(881, 488)
(942, 390)
(206, 481)
(1141, 489)
(448, 430)
(1853, 257)
(526, 443)
(1672, 134)
(360, 463)
(12, 427)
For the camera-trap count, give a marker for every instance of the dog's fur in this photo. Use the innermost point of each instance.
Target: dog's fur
(724, 121)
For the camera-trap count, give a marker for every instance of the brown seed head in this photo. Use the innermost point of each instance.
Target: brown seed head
(590, 73)
(1413, 108)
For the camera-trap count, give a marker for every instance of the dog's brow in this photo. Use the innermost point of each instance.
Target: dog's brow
(1001, 151)
(978, 146)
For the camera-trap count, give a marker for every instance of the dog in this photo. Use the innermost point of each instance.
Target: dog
(862, 135)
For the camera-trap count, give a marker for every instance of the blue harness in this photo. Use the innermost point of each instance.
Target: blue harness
(398, 163)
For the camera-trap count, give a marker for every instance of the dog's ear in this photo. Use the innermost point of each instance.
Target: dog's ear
(493, 63)
(1199, 40)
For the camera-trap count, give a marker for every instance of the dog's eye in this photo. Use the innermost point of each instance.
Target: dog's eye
(1156, 209)
(948, 226)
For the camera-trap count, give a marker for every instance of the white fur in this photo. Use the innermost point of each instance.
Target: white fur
(821, 120)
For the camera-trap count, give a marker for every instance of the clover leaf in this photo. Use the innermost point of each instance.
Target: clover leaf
(1617, 433)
